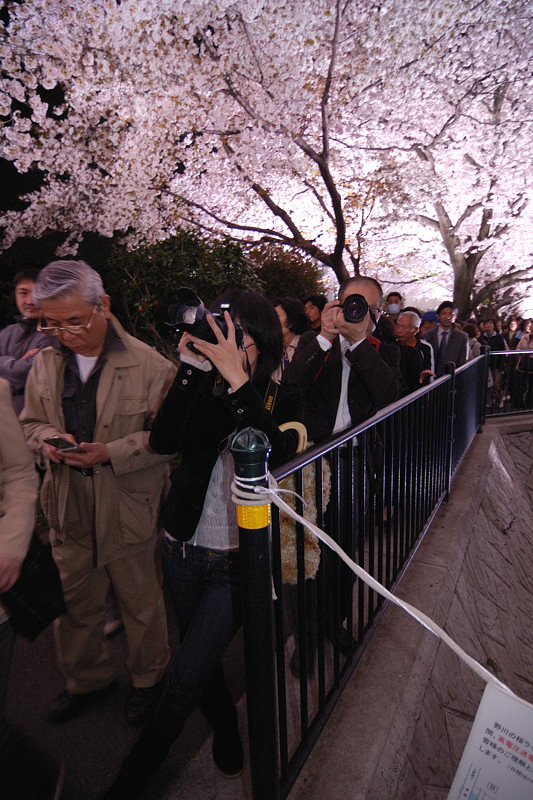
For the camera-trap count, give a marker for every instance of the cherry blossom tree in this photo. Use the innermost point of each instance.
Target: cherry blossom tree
(315, 125)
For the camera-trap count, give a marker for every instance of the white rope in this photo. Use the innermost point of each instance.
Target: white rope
(262, 495)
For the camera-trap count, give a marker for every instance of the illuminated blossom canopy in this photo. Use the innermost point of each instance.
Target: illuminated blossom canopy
(393, 136)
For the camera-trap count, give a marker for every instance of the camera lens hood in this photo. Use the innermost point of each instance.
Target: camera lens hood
(188, 311)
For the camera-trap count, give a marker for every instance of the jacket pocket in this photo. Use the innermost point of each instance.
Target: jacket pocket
(131, 414)
(137, 512)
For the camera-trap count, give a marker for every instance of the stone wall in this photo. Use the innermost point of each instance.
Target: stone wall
(400, 728)
(490, 614)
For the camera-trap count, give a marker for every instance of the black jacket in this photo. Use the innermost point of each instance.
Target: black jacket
(196, 424)
(372, 384)
(411, 366)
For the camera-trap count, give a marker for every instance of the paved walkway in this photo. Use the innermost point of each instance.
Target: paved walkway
(378, 709)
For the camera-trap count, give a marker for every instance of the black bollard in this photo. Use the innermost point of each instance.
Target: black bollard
(250, 449)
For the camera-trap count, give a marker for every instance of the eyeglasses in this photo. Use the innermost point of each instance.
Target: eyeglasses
(75, 329)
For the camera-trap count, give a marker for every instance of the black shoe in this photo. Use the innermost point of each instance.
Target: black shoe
(227, 752)
(146, 756)
(295, 662)
(141, 703)
(347, 644)
(132, 780)
(67, 706)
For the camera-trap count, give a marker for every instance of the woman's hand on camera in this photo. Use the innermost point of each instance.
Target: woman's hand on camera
(227, 358)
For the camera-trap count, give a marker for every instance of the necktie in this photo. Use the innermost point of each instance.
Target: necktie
(441, 355)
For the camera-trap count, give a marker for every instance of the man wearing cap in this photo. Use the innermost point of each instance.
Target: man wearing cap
(428, 321)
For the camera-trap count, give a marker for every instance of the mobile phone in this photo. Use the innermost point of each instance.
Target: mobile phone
(63, 444)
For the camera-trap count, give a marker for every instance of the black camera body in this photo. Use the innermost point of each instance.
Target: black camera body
(354, 308)
(189, 314)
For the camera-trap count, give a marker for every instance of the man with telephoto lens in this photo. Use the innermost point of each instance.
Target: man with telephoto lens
(346, 375)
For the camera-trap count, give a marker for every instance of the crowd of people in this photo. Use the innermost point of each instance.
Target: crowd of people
(510, 378)
(101, 416)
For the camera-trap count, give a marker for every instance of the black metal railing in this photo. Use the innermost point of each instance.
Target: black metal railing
(375, 490)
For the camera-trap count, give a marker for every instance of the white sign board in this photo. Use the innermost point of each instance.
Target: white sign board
(497, 762)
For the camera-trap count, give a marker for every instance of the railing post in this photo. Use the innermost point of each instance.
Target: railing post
(485, 350)
(450, 369)
(250, 449)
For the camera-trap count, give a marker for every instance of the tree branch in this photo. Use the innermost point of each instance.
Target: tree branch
(520, 275)
(469, 210)
(268, 234)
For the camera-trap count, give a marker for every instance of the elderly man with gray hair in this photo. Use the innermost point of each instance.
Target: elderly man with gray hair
(98, 389)
(406, 331)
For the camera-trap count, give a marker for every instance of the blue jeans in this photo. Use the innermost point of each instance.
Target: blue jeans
(205, 589)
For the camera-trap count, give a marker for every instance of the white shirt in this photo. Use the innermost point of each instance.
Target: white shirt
(85, 365)
(343, 418)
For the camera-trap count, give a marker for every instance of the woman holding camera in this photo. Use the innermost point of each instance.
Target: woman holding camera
(220, 388)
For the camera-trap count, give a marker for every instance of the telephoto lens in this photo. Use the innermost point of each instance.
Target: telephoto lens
(354, 308)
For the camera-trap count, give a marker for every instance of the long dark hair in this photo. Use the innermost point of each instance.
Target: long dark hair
(258, 317)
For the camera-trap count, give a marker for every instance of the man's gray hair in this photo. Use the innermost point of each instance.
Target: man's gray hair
(60, 279)
(415, 319)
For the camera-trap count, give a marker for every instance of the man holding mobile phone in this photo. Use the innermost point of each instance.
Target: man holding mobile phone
(99, 389)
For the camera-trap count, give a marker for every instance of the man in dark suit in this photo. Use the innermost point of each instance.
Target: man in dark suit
(346, 375)
(448, 343)
(345, 378)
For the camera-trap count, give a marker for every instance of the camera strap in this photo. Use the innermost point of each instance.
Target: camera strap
(220, 386)
(271, 395)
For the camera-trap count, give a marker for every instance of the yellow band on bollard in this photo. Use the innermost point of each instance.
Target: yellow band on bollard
(253, 517)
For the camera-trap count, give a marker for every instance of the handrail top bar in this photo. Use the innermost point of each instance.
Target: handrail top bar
(509, 352)
(317, 450)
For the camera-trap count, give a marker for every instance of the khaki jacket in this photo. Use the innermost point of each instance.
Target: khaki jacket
(127, 492)
(18, 482)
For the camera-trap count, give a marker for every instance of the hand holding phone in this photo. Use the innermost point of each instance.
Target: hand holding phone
(65, 445)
